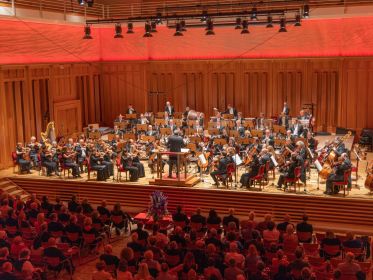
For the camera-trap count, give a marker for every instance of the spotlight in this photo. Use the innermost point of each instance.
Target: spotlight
(282, 25)
(81, 2)
(204, 16)
(269, 22)
(245, 27)
(297, 20)
(118, 31)
(210, 27)
(89, 3)
(254, 14)
(148, 29)
(306, 11)
(153, 27)
(183, 25)
(87, 32)
(158, 19)
(178, 30)
(238, 23)
(130, 28)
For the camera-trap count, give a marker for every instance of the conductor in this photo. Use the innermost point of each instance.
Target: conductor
(175, 143)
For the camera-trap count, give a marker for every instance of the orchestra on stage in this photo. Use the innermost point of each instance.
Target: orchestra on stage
(228, 147)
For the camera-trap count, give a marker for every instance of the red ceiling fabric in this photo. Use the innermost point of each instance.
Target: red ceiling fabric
(31, 42)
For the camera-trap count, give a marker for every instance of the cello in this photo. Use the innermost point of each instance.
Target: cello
(369, 180)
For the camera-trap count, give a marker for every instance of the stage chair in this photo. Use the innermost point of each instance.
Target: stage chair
(64, 168)
(259, 178)
(228, 176)
(315, 262)
(311, 249)
(344, 183)
(120, 169)
(294, 181)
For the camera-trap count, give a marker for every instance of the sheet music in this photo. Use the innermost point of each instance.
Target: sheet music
(318, 165)
(237, 160)
(202, 159)
(275, 163)
(183, 150)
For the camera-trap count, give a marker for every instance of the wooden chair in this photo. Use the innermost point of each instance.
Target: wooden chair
(344, 183)
(294, 181)
(120, 169)
(259, 178)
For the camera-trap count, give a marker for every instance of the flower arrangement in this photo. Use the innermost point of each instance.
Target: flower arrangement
(158, 205)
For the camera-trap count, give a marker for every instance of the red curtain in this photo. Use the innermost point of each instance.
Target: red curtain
(31, 42)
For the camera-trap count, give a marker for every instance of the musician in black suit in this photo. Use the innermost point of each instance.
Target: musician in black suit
(150, 131)
(169, 109)
(69, 159)
(297, 129)
(337, 175)
(289, 171)
(283, 120)
(119, 118)
(24, 164)
(95, 161)
(221, 169)
(286, 109)
(130, 110)
(231, 110)
(175, 143)
(117, 131)
(48, 162)
(260, 121)
(268, 139)
(81, 154)
(127, 163)
(254, 170)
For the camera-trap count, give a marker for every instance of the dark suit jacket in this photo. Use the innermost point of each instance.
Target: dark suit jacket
(287, 110)
(234, 112)
(175, 143)
(170, 113)
(300, 130)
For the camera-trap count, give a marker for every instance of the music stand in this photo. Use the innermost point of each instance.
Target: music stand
(178, 115)
(257, 133)
(131, 116)
(111, 137)
(94, 135)
(212, 125)
(146, 138)
(233, 133)
(243, 141)
(191, 123)
(192, 147)
(249, 123)
(218, 141)
(228, 116)
(178, 122)
(237, 162)
(165, 131)
(121, 125)
(195, 139)
(160, 115)
(190, 131)
(142, 127)
(128, 136)
(160, 122)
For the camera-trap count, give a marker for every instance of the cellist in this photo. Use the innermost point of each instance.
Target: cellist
(337, 175)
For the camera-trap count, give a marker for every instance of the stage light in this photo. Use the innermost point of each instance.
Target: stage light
(254, 14)
(297, 20)
(306, 11)
(118, 31)
(282, 25)
(153, 26)
(130, 28)
(204, 16)
(89, 3)
(238, 23)
(210, 27)
(87, 32)
(158, 19)
(183, 25)
(148, 29)
(269, 22)
(178, 30)
(245, 27)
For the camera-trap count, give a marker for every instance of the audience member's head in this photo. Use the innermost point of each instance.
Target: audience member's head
(127, 254)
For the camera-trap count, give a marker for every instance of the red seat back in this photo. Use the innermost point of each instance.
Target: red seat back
(89, 238)
(52, 261)
(297, 171)
(14, 158)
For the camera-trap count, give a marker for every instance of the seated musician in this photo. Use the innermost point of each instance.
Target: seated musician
(108, 155)
(256, 144)
(150, 131)
(311, 141)
(136, 162)
(254, 166)
(297, 128)
(240, 128)
(260, 121)
(186, 112)
(221, 169)
(34, 151)
(68, 157)
(127, 163)
(48, 161)
(303, 115)
(239, 117)
(95, 161)
(81, 154)
(22, 158)
(337, 175)
(201, 119)
(172, 126)
(283, 120)
(268, 139)
(143, 119)
(119, 118)
(130, 109)
(288, 171)
(231, 110)
(117, 131)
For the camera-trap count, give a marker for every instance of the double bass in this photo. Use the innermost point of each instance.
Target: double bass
(369, 180)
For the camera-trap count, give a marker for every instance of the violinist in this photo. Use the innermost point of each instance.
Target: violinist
(34, 148)
(312, 143)
(107, 157)
(48, 162)
(127, 163)
(95, 161)
(22, 158)
(143, 119)
(68, 157)
(296, 129)
(117, 131)
(240, 128)
(337, 175)
(81, 154)
(288, 171)
(130, 110)
(150, 131)
(221, 169)
(256, 145)
(253, 171)
(231, 110)
(119, 119)
(268, 139)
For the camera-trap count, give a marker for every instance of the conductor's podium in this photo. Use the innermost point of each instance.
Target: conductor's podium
(180, 177)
